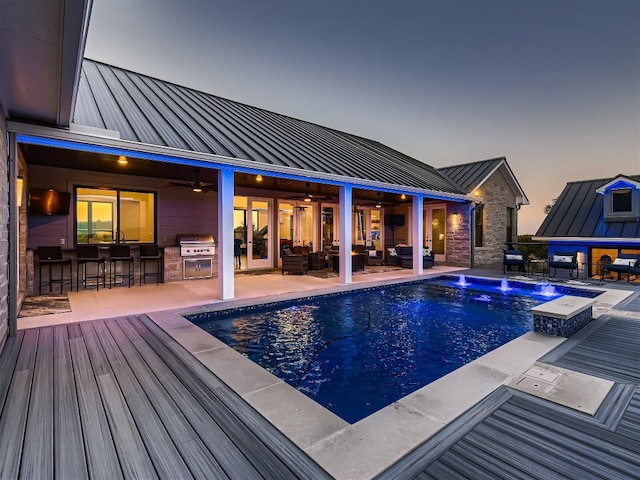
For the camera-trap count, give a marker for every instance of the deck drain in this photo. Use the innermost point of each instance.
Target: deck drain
(544, 374)
(535, 385)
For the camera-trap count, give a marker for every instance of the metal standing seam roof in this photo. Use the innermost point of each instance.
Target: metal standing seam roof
(151, 111)
(470, 175)
(578, 213)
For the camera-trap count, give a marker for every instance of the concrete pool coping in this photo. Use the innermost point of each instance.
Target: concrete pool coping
(366, 448)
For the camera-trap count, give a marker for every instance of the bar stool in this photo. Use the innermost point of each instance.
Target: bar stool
(122, 254)
(151, 253)
(90, 254)
(51, 257)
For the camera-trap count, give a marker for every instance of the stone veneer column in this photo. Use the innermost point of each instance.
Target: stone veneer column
(4, 233)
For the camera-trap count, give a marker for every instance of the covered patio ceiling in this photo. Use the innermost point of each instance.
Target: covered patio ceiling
(107, 163)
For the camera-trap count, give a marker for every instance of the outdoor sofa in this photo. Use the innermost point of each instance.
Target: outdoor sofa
(513, 258)
(402, 256)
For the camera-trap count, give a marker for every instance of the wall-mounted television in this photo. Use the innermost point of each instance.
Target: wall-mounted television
(395, 220)
(48, 201)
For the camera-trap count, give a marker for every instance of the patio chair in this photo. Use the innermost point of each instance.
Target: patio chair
(625, 263)
(565, 261)
(296, 263)
(513, 258)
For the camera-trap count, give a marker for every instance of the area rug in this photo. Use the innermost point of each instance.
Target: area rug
(44, 305)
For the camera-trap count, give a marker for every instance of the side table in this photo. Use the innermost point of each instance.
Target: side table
(537, 267)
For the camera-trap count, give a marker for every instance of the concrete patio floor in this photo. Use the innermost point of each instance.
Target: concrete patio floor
(361, 450)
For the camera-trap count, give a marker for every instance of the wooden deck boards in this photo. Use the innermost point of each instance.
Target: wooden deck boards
(514, 435)
(118, 398)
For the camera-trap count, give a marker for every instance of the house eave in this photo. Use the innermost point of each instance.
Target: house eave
(587, 240)
(107, 142)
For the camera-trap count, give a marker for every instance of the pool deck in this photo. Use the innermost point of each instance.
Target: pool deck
(545, 376)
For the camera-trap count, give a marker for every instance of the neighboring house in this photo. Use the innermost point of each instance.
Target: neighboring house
(142, 161)
(595, 218)
(499, 197)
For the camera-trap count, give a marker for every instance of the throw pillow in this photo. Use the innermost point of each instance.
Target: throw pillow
(513, 257)
(625, 261)
(373, 253)
(392, 252)
(426, 252)
(562, 258)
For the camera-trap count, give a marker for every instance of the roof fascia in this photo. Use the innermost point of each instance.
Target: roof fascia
(587, 240)
(74, 38)
(619, 182)
(105, 143)
(511, 180)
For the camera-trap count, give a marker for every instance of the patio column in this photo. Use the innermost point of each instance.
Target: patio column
(346, 203)
(225, 234)
(417, 236)
(14, 239)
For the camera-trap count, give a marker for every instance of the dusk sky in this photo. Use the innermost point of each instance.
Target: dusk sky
(554, 86)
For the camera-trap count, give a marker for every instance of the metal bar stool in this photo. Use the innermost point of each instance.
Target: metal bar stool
(151, 253)
(122, 254)
(90, 254)
(52, 257)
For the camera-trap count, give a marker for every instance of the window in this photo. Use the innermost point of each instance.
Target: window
(479, 224)
(115, 216)
(510, 224)
(621, 200)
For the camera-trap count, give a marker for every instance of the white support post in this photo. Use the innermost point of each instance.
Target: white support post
(417, 236)
(346, 202)
(225, 234)
(14, 236)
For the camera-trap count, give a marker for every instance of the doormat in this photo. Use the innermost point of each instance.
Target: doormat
(44, 305)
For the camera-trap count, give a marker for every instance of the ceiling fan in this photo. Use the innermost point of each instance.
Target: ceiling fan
(197, 186)
(308, 197)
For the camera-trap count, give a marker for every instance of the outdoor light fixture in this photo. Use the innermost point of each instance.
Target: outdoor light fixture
(196, 189)
(122, 160)
(307, 198)
(19, 187)
(258, 178)
(378, 204)
(403, 197)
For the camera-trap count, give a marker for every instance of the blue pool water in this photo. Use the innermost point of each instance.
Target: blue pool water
(357, 352)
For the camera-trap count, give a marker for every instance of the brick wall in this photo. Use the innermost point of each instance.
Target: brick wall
(4, 233)
(497, 196)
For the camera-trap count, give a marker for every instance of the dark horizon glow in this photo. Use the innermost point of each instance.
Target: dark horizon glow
(552, 85)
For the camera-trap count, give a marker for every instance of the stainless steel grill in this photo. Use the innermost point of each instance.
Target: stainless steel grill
(196, 245)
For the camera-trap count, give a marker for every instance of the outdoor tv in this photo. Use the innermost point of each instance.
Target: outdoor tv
(395, 220)
(48, 201)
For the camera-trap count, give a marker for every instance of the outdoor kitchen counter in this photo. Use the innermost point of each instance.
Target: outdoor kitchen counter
(172, 262)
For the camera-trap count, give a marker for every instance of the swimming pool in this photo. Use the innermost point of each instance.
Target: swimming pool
(357, 352)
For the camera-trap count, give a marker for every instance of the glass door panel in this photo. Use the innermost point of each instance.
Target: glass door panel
(258, 246)
(435, 229)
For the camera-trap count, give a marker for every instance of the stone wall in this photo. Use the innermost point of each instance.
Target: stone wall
(458, 235)
(497, 196)
(4, 233)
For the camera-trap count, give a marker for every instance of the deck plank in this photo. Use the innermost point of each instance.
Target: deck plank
(158, 442)
(102, 459)
(133, 456)
(14, 414)
(70, 458)
(267, 448)
(169, 408)
(228, 454)
(8, 361)
(37, 451)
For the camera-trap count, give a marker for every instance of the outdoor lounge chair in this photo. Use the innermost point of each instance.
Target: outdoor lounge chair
(626, 263)
(294, 262)
(563, 260)
(513, 258)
